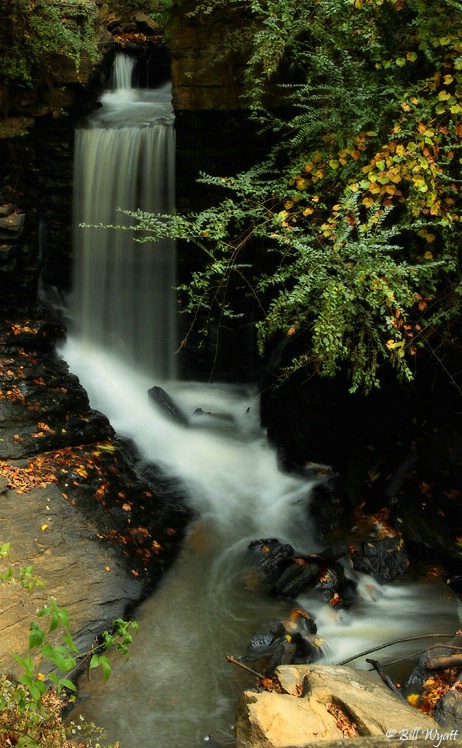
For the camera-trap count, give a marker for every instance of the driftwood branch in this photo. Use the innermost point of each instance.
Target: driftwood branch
(395, 641)
(244, 667)
(386, 679)
(438, 663)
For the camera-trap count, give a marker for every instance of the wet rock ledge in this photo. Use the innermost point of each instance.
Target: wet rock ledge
(324, 703)
(73, 499)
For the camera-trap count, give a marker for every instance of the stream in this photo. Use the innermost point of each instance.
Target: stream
(177, 690)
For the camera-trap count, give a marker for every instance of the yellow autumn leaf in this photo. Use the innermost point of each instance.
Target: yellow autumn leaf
(392, 344)
(413, 699)
(428, 256)
(43, 527)
(444, 95)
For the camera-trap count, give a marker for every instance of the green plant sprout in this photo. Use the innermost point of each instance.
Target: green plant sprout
(30, 707)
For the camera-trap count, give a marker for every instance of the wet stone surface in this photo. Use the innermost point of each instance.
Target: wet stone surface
(72, 501)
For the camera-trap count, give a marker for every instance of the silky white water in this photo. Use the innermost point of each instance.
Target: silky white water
(177, 687)
(123, 292)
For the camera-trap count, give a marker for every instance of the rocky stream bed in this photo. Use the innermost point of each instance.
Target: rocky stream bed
(100, 527)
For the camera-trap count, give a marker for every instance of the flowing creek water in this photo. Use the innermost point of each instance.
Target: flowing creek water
(177, 689)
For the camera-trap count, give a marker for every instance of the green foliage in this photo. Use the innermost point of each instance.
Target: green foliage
(38, 36)
(346, 239)
(30, 709)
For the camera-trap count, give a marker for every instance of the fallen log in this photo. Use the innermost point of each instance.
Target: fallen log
(441, 663)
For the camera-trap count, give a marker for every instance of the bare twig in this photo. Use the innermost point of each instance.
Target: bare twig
(390, 644)
(244, 667)
(386, 679)
(419, 652)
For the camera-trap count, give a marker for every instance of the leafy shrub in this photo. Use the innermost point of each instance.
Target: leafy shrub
(36, 34)
(346, 238)
(31, 706)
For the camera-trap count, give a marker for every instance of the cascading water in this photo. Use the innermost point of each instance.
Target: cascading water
(177, 687)
(123, 296)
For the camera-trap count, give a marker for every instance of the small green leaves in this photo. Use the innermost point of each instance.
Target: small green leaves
(5, 549)
(28, 706)
(98, 660)
(36, 635)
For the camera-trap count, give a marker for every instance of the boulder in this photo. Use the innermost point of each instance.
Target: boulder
(13, 223)
(448, 711)
(387, 558)
(330, 580)
(64, 548)
(275, 560)
(146, 24)
(358, 563)
(295, 579)
(321, 703)
(334, 552)
(266, 636)
(326, 507)
(284, 654)
(300, 622)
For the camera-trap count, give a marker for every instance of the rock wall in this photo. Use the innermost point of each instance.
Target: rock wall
(204, 77)
(76, 502)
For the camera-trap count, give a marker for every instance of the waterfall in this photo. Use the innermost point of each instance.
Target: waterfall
(177, 687)
(123, 298)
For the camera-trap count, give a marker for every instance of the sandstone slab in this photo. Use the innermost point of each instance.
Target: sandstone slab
(309, 710)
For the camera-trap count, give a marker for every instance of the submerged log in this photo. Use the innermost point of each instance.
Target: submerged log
(167, 405)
